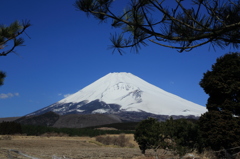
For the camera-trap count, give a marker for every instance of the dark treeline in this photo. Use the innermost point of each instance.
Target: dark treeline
(11, 128)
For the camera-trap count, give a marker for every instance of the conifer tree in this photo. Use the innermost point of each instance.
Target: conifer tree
(220, 126)
(147, 134)
(222, 84)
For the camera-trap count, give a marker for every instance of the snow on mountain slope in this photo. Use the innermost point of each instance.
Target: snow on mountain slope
(132, 94)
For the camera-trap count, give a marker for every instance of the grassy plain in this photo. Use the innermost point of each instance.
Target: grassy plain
(64, 147)
(53, 147)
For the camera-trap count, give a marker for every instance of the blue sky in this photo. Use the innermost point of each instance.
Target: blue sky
(67, 51)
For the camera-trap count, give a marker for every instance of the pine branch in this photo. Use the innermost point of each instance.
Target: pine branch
(181, 26)
(12, 33)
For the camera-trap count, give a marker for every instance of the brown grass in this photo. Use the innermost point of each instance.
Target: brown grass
(49, 146)
(46, 147)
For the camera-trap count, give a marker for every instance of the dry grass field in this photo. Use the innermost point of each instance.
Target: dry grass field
(64, 147)
(42, 147)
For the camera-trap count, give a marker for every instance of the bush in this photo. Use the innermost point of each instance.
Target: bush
(120, 140)
(180, 136)
(220, 130)
(147, 134)
(183, 134)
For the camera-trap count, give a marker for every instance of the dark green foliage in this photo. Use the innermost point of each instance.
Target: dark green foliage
(220, 130)
(9, 40)
(222, 84)
(12, 33)
(2, 76)
(183, 25)
(220, 126)
(180, 136)
(10, 128)
(147, 134)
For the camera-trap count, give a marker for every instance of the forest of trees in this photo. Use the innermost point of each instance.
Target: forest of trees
(217, 129)
(11, 128)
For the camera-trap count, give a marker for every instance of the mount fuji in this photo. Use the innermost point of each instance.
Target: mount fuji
(123, 93)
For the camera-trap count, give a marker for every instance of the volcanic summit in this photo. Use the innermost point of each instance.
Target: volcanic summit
(123, 92)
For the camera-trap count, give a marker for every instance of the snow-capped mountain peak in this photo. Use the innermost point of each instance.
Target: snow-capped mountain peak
(116, 92)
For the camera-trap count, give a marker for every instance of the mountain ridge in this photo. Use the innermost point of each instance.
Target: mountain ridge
(115, 93)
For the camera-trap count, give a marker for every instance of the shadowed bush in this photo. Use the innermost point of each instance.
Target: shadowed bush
(120, 140)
